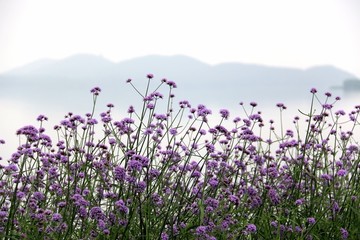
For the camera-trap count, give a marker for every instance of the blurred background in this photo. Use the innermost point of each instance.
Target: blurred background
(219, 53)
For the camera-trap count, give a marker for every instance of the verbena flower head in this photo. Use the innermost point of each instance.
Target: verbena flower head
(341, 172)
(56, 217)
(225, 113)
(251, 228)
(41, 118)
(171, 84)
(311, 220)
(253, 104)
(201, 230)
(95, 91)
(344, 233)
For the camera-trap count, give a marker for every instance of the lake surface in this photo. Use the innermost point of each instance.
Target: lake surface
(16, 113)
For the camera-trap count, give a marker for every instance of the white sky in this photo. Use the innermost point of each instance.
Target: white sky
(295, 33)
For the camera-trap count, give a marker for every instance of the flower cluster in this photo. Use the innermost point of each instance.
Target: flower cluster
(156, 174)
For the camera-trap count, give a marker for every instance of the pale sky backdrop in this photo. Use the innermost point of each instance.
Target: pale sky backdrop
(290, 33)
(293, 33)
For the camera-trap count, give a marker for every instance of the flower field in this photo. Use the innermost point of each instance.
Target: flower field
(165, 171)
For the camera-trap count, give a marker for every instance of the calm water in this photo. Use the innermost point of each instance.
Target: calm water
(15, 114)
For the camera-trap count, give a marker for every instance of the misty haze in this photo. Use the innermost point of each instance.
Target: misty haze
(55, 87)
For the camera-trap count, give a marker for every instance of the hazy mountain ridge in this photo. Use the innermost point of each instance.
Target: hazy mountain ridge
(66, 81)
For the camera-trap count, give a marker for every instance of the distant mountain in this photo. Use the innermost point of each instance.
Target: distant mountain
(74, 67)
(65, 83)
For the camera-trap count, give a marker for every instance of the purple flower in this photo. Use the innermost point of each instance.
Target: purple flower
(3, 214)
(148, 131)
(313, 90)
(202, 111)
(156, 198)
(184, 104)
(201, 230)
(344, 233)
(234, 199)
(335, 207)
(341, 172)
(171, 84)
(212, 202)
(149, 98)
(150, 106)
(195, 174)
(154, 173)
(96, 213)
(289, 133)
(274, 224)
(112, 141)
(83, 213)
(160, 116)
(79, 200)
(95, 91)
(328, 94)
(134, 165)
(56, 217)
(41, 118)
(340, 112)
(224, 113)
(11, 168)
(353, 148)
(140, 187)
(39, 196)
(173, 131)
(311, 220)
(213, 182)
(20, 195)
(281, 106)
(274, 198)
(255, 117)
(120, 173)
(91, 121)
(299, 201)
(61, 204)
(30, 131)
(106, 119)
(253, 104)
(327, 106)
(251, 191)
(53, 171)
(101, 224)
(251, 228)
(86, 192)
(150, 76)
(164, 236)
(131, 109)
(326, 177)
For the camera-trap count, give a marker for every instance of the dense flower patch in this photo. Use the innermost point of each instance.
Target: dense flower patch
(170, 173)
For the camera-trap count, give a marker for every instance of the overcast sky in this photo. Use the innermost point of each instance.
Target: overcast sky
(294, 33)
